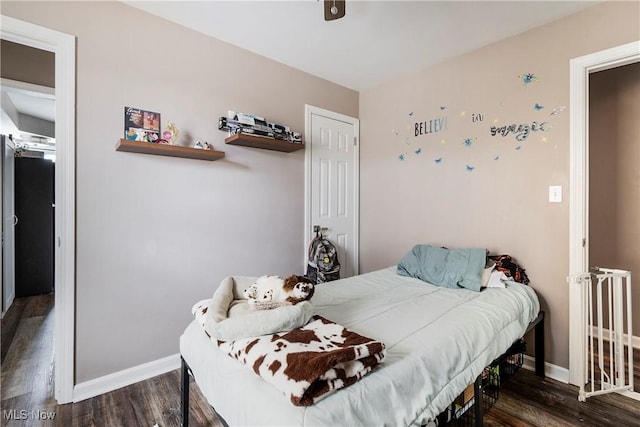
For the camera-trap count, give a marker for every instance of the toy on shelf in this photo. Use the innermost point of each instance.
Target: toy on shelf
(237, 122)
(202, 145)
(170, 134)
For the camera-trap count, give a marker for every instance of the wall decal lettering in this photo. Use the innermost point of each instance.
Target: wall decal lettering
(444, 118)
(521, 131)
(477, 117)
(431, 126)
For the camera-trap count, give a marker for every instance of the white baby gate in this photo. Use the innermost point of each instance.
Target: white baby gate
(606, 316)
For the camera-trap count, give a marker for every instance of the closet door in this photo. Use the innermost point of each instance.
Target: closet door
(34, 180)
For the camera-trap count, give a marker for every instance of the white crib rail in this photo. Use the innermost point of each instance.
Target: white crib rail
(606, 294)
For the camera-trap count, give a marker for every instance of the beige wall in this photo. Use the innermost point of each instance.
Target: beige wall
(27, 64)
(502, 203)
(614, 177)
(156, 234)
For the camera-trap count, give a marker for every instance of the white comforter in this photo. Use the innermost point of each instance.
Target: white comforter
(438, 340)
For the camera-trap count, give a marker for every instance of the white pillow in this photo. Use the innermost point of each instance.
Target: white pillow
(486, 274)
(497, 279)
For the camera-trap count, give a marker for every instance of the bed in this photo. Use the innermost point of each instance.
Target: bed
(438, 341)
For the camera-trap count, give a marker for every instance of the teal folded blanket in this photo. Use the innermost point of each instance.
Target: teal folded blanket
(450, 268)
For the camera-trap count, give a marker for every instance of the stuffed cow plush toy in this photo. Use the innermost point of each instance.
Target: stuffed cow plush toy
(273, 291)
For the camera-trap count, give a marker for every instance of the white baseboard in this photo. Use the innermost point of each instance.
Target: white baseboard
(631, 394)
(635, 340)
(125, 378)
(550, 370)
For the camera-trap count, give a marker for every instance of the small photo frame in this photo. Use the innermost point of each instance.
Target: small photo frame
(141, 125)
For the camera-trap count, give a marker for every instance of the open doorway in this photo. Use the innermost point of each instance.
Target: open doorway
(28, 117)
(582, 69)
(63, 47)
(28, 120)
(614, 183)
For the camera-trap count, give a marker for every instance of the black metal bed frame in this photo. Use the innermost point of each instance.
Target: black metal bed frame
(537, 325)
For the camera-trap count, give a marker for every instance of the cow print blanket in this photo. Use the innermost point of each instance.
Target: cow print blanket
(310, 362)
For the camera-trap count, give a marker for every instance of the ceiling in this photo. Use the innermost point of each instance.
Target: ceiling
(28, 112)
(375, 42)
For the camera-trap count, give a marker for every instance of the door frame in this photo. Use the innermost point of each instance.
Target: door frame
(64, 47)
(580, 68)
(310, 110)
(8, 142)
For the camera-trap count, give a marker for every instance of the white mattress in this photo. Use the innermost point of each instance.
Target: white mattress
(438, 341)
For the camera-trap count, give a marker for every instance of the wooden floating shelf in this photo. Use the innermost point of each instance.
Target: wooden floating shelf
(167, 150)
(254, 141)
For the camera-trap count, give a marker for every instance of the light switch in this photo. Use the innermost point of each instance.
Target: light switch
(555, 194)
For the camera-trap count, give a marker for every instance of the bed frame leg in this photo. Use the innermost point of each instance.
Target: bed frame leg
(478, 403)
(539, 340)
(184, 384)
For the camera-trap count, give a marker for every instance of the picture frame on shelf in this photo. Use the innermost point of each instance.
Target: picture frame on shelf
(141, 125)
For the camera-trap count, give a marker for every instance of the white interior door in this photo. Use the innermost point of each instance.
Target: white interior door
(332, 182)
(8, 225)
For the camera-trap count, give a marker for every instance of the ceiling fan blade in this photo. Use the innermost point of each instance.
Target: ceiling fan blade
(334, 9)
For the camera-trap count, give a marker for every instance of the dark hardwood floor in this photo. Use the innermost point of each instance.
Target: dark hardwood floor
(526, 400)
(27, 392)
